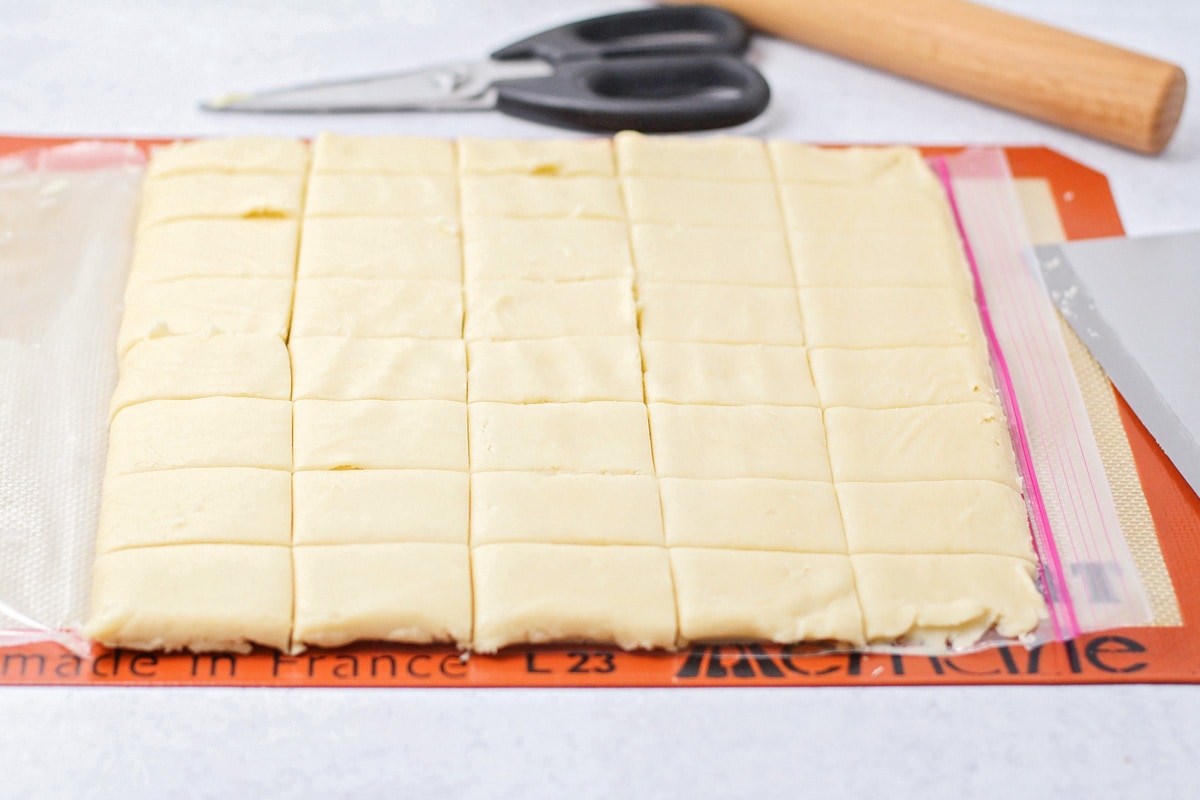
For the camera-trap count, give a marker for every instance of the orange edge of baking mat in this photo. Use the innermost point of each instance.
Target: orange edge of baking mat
(1128, 655)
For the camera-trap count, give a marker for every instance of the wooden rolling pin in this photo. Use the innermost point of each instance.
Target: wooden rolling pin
(1014, 63)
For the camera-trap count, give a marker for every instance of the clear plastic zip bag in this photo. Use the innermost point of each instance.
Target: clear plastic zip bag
(66, 223)
(1073, 516)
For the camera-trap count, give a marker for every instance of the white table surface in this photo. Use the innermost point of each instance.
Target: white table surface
(139, 68)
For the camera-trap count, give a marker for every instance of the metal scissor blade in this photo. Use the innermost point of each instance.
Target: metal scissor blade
(457, 86)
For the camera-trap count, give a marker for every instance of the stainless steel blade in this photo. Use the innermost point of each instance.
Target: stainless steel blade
(1132, 302)
(456, 86)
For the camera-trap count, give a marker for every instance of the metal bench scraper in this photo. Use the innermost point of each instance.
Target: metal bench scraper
(1133, 302)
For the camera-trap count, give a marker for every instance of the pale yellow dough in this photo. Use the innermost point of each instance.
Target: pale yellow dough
(542, 310)
(805, 163)
(205, 306)
(363, 506)
(600, 437)
(902, 376)
(410, 592)
(783, 597)
(547, 157)
(738, 442)
(967, 441)
(383, 155)
(641, 390)
(206, 432)
(885, 257)
(688, 201)
(697, 254)
(373, 195)
(187, 367)
(381, 196)
(340, 368)
(215, 248)
(716, 157)
(575, 369)
(862, 209)
(241, 154)
(380, 434)
(372, 307)
(229, 196)
(935, 599)
(380, 247)
(196, 596)
(556, 593)
(697, 312)
(565, 509)
(727, 374)
(752, 514)
(888, 317)
(537, 196)
(936, 517)
(500, 248)
(219, 505)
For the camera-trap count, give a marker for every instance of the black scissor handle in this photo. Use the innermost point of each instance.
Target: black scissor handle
(654, 31)
(657, 94)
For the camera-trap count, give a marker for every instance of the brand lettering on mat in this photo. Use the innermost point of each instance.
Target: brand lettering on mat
(1096, 655)
(1103, 654)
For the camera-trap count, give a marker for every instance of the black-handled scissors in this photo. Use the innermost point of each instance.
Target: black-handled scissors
(658, 70)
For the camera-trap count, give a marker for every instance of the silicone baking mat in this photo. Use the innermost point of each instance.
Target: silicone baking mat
(1166, 652)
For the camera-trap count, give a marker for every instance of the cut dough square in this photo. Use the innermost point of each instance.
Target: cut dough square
(738, 442)
(373, 307)
(362, 506)
(380, 434)
(575, 369)
(380, 247)
(410, 592)
(693, 254)
(186, 367)
(221, 195)
(216, 248)
(373, 195)
(888, 317)
(698, 312)
(565, 509)
(221, 505)
(752, 514)
(857, 209)
(546, 157)
(932, 599)
(206, 432)
(803, 163)
(598, 437)
(542, 310)
(538, 196)
(688, 201)
(205, 306)
(936, 517)
(337, 368)
(498, 248)
(883, 257)
(237, 154)
(197, 596)
(902, 376)
(783, 597)
(383, 155)
(556, 593)
(727, 374)
(961, 441)
(714, 157)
